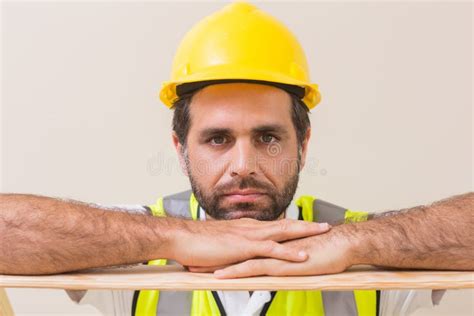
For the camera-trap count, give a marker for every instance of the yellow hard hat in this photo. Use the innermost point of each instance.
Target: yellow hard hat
(240, 43)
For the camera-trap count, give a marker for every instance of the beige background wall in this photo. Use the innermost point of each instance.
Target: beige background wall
(80, 117)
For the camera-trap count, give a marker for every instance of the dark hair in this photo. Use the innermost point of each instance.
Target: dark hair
(182, 118)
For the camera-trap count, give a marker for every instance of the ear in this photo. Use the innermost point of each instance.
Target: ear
(304, 147)
(180, 151)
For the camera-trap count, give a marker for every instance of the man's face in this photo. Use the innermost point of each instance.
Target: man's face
(242, 153)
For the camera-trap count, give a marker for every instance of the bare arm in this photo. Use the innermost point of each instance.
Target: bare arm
(42, 235)
(436, 236)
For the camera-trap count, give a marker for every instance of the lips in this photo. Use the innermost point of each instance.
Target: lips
(241, 196)
(244, 192)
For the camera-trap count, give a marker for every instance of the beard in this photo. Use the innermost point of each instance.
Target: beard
(274, 203)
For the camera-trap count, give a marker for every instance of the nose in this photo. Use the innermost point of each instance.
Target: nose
(244, 159)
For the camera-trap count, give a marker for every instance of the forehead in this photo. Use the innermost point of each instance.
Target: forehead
(239, 106)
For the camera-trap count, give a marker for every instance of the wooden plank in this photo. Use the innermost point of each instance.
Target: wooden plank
(176, 278)
(5, 306)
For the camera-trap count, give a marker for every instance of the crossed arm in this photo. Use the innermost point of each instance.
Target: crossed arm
(40, 235)
(436, 236)
(43, 235)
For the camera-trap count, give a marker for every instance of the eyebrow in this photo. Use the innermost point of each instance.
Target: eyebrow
(274, 128)
(212, 131)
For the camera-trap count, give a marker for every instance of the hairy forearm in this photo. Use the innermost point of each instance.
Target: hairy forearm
(41, 235)
(436, 236)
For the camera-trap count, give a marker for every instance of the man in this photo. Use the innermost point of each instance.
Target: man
(240, 91)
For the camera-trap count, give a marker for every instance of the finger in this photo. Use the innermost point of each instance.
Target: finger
(206, 269)
(288, 229)
(257, 267)
(248, 268)
(272, 249)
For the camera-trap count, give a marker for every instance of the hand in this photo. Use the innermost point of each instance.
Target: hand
(328, 253)
(219, 243)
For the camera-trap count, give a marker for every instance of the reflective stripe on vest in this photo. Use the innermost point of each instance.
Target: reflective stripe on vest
(203, 303)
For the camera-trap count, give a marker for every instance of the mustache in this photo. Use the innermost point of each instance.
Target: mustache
(241, 184)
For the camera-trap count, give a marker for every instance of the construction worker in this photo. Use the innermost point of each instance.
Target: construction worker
(241, 92)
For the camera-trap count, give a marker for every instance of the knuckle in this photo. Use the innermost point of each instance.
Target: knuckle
(285, 225)
(269, 246)
(275, 271)
(250, 265)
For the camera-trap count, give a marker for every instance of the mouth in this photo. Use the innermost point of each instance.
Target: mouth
(241, 196)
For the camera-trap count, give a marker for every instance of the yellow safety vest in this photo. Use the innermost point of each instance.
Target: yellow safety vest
(204, 303)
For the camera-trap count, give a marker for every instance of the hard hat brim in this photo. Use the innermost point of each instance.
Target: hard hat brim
(168, 93)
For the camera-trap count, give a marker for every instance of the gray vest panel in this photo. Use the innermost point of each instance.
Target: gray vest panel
(325, 212)
(177, 205)
(173, 303)
(339, 303)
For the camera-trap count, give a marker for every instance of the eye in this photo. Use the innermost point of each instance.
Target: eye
(268, 138)
(217, 140)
